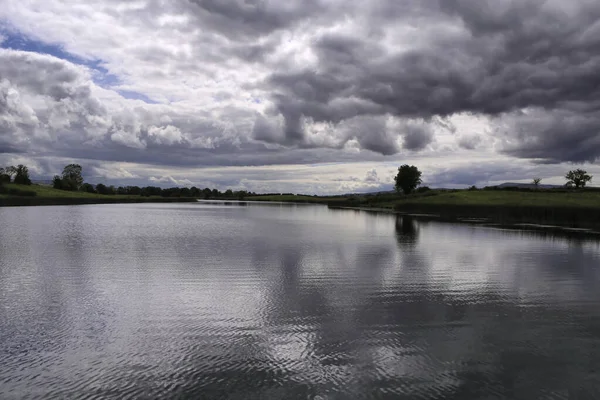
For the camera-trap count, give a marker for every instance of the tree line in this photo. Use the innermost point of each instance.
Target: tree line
(148, 191)
(72, 180)
(17, 174)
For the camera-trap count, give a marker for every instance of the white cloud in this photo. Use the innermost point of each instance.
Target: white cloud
(372, 176)
(288, 83)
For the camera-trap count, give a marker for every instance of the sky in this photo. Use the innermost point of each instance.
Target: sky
(303, 96)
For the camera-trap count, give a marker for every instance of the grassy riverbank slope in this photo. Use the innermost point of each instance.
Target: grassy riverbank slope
(579, 209)
(39, 195)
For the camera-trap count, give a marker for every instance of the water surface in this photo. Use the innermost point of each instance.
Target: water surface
(284, 302)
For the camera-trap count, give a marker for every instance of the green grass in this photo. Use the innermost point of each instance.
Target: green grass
(508, 199)
(497, 198)
(46, 195)
(48, 191)
(578, 209)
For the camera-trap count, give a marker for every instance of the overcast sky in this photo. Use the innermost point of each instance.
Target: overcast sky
(312, 96)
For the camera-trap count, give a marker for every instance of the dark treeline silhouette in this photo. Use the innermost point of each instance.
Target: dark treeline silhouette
(148, 191)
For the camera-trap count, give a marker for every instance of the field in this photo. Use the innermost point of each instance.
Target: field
(509, 198)
(48, 191)
(578, 209)
(46, 195)
(499, 198)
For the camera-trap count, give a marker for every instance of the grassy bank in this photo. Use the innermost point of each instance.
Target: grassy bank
(575, 209)
(579, 209)
(40, 195)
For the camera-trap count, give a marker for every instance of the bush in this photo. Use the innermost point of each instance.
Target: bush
(17, 192)
(86, 187)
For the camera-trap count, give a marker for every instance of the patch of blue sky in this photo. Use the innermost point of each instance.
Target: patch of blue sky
(16, 41)
(136, 96)
(100, 75)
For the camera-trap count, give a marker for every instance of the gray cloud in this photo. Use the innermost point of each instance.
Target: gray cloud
(264, 82)
(509, 56)
(248, 19)
(469, 142)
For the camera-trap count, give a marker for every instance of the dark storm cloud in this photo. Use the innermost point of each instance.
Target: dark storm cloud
(417, 137)
(508, 56)
(556, 134)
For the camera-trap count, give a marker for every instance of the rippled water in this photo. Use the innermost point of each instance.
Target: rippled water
(285, 302)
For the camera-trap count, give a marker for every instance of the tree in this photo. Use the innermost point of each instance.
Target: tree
(150, 191)
(57, 182)
(22, 175)
(72, 178)
(578, 178)
(134, 190)
(536, 182)
(10, 171)
(407, 179)
(86, 187)
(101, 188)
(195, 192)
(4, 176)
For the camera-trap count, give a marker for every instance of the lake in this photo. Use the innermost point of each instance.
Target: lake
(274, 301)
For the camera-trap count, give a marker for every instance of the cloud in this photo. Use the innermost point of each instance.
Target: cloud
(469, 142)
(201, 83)
(171, 180)
(372, 176)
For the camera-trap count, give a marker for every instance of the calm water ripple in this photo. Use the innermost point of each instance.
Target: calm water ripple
(284, 302)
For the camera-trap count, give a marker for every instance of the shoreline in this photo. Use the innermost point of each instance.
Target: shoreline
(564, 220)
(33, 201)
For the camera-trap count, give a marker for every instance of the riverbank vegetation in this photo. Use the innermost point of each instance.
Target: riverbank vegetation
(16, 188)
(573, 204)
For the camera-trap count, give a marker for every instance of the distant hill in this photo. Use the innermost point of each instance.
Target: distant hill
(528, 185)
